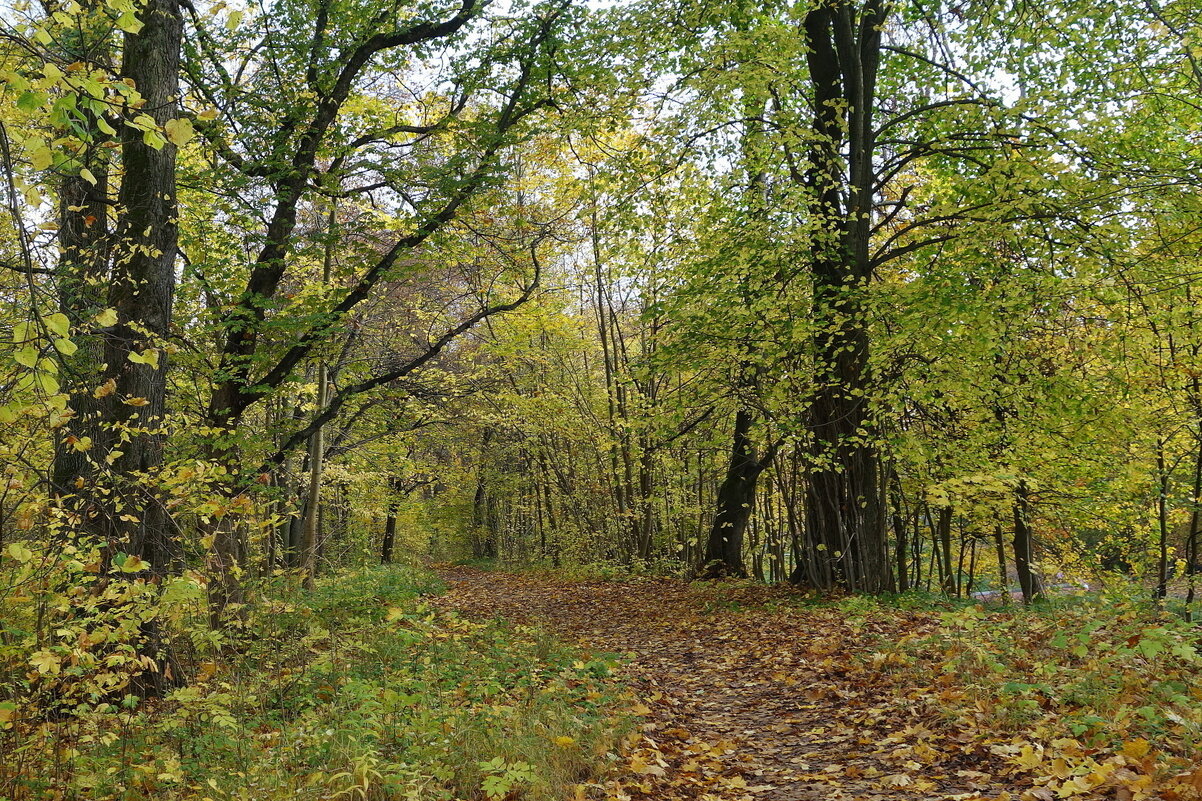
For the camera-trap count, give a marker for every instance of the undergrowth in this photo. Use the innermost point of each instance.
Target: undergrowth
(1099, 695)
(357, 690)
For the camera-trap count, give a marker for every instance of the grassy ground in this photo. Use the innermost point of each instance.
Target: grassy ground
(356, 690)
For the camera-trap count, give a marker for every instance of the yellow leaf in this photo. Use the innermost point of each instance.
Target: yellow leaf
(1029, 757)
(40, 156)
(19, 552)
(45, 662)
(129, 23)
(58, 323)
(154, 139)
(564, 741)
(180, 131)
(107, 318)
(27, 356)
(1136, 749)
(150, 357)
(86, 174)
(46, 383)
(105, 389)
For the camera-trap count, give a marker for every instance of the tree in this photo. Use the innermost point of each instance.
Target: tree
(451, 148)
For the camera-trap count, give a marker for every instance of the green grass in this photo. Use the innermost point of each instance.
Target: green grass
(358, 689)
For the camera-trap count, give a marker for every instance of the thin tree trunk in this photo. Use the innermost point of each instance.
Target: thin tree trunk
(900, 534)
(389, 540)
(1195, 519)
(1162, 520)
(310, 532)
(1003, 576)
(944, 535)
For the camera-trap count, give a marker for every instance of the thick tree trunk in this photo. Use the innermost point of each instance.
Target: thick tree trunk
(141, 290)
(845, 515)
(144, 284)
(1028, 579)
(81, 280)
(81, 269)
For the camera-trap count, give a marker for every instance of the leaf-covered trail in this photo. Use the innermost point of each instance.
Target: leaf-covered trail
(747, 697)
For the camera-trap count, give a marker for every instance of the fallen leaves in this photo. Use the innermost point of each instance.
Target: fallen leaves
(781, 701)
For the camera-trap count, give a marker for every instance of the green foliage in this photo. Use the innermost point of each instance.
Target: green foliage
(358, 689)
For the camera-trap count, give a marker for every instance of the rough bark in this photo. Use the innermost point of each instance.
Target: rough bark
(845, 515)
(80, 281)
(143, 285)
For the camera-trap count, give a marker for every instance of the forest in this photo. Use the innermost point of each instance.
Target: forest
(455, 400)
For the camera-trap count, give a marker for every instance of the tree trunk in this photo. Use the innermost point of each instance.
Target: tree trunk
(143, 286)
(81, 277)
(389, 531)
(736, 495)
(1162, 521)
(484, 524)
(900, 534)
(141, 290)
(845, 518)
(1195, 518)
(1028, 579)
(945, 550)
(1003, 576)
(645, 536)
(310, 531)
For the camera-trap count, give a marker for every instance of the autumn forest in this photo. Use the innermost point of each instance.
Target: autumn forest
(525, 400)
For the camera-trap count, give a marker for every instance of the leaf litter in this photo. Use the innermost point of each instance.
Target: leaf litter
(748, 694)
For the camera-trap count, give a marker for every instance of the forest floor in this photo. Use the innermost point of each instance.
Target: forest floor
(748, 692)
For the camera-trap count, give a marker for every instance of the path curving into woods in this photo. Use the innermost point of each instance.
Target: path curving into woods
(748, 693)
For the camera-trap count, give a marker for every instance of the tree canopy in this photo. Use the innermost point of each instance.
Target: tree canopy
(858, 296)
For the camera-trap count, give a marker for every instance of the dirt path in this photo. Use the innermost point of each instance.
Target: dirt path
(747, 695)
